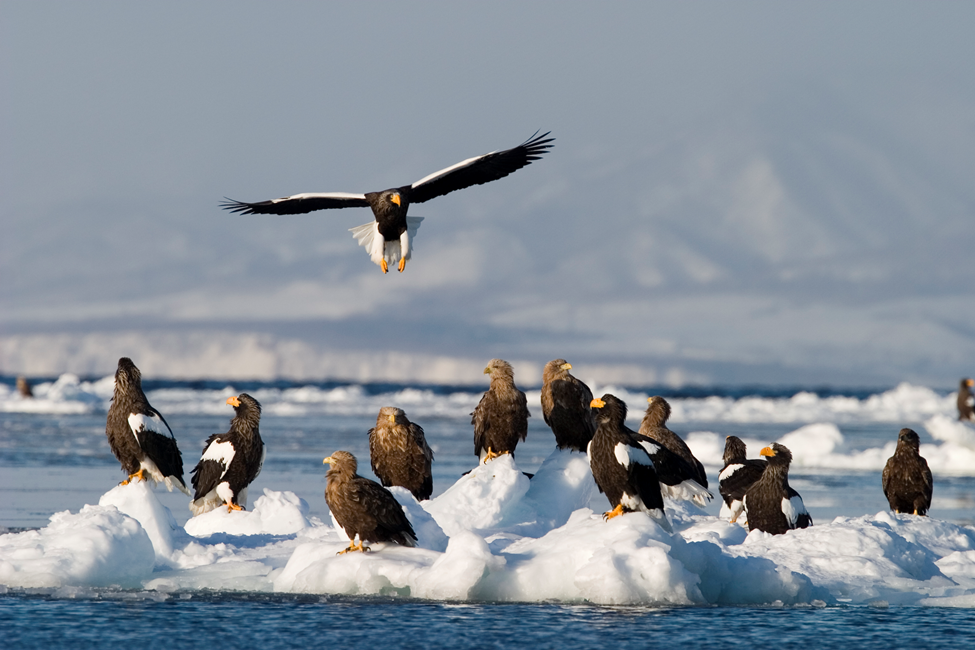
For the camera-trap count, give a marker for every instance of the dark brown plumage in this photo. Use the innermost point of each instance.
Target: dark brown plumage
(621, 467)
(387, 240)
(565, 406)
(738, 474)
(966, 401)
(230, 461)
(501, 417)
(654, 425)
(399, 453)
(139, 435)
(770, 504)
(907, 480)
(24, 387)
(363, 507)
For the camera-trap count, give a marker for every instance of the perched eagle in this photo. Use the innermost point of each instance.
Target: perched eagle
(400, 454)
(770, 504)
(565, 406)
(363, 507)
(501, 417)
(966, 401)
(387, 239)
(139, 435)
(737, 475)
(230, 461)
(621, 467)
(907, 479)
(654, 425)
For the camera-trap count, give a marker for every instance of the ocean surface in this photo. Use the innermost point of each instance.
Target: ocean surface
(54, 457)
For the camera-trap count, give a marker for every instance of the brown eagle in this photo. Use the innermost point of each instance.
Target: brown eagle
(654, 425)
(966, 401)
(501, 417)
(387, 239)
(399, 453)
(738, 474)
(565, 406)
(230, 461)
(907, 480)
(770, 504)
(362, 507)
(139, 435)
(621, 467)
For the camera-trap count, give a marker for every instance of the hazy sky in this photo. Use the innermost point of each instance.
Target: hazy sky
(738, 192)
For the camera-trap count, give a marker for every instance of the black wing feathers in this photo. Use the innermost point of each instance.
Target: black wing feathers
(289, 205)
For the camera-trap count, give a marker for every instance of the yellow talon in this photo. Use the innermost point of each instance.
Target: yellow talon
(233, 506)
(615, 512)
(362, 548)
(402, 264)
(491, 455)
(138, 475)
(384, 266)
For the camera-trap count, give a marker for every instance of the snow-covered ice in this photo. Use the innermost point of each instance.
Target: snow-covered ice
(495, 535)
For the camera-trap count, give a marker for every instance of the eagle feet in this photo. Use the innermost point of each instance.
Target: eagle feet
(140, 475)
(615, 512)
(384, 266)
(491, 455)
(362, 548)
(233, 506)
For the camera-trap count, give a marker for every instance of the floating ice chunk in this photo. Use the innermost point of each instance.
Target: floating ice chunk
(275, 513)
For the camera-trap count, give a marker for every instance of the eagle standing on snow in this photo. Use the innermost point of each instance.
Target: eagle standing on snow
(501, 417)
(566, 406)
(654, 425)
(363, 507)
(770, 504)
(966, 401)
(907, 480)
(399, 453)
(387, 239)
(621, 467)
(230, 461)
(139, 435)
(737, 475)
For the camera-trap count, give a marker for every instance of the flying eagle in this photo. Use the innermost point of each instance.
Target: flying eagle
(738, 474)
(363, 507)
(387, 239)
(654, 425)
(907, 479)
(501, 417)
(399, 453)
(230, 461)
(966, 401)
(770, 504)
(565, 406)
(621, 467)
(139, 435)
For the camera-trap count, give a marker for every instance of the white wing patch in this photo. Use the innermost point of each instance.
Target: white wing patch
(652, 448)
(443, 172)
(792, 508)
(729, 470)
(221, 452)
(378, 248)
(320, 195)
(626, 454)
(139, 422)
(688, 490)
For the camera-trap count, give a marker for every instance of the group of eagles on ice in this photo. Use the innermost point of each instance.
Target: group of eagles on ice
(634, 469)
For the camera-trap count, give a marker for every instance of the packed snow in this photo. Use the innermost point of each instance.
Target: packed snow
(496, 535)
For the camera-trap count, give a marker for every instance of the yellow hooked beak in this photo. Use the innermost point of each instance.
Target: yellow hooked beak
(327, 461)
(233, 401)
(566, 366)
(767, 451)
(392, 418)
(395, 199)
(597, 403)
(487, 371)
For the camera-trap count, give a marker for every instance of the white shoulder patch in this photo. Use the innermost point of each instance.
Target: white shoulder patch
(139, 422)
(221, 452)
(626, 454)
(321, 195)
(651, 447)
(792, 508)
(729, 470)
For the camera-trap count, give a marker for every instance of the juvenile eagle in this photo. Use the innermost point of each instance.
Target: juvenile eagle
(565, 406)
(399, 453)
(363, 507)
(654, 425)
(907, 479)
(770, 504)
(387, 239)
(966, 401)
(230, 461)
(501, 417)
(621, 467)
(738, 474)
(139, 435)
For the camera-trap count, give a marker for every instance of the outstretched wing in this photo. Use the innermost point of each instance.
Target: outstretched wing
(298, 203)
(480, 169)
